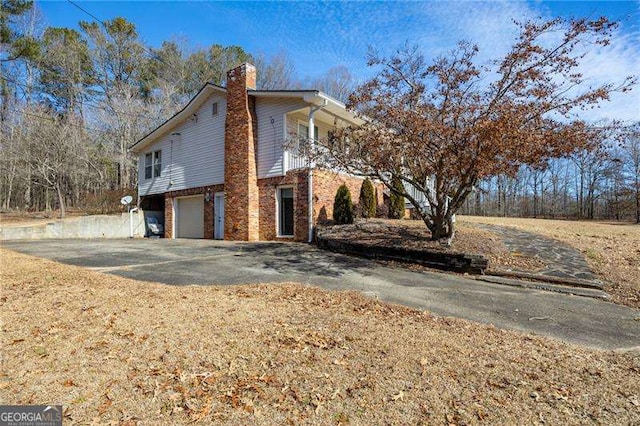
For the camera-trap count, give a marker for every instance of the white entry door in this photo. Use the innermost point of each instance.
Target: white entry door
(190, 217)
(218, 207)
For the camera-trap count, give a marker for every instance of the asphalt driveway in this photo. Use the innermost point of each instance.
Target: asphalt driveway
(574, 319)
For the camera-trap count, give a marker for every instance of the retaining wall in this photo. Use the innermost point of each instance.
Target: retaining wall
(98, 226)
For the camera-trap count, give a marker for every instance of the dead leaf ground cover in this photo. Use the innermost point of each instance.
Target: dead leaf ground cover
(114, 350)
(413, 234)
(612, 249)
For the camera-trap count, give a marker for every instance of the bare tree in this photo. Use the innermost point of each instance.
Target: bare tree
(630, 147)
(54, 149)
(337, 82)
(441, 128)
(276, 72)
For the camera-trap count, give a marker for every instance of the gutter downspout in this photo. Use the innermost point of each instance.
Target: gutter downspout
(312, 137)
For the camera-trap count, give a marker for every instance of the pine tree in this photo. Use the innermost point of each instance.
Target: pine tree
(342, 206)
(397, 205)
(368, 199)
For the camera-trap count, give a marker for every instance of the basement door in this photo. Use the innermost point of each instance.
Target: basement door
(190, 217)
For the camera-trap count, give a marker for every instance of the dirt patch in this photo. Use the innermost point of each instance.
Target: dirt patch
(612, 250)
(412, 234)
(114, 350)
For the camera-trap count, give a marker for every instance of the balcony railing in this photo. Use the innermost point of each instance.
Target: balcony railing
(295, 160)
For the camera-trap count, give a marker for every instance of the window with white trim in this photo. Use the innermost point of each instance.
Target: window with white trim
(157, 163)
(303, 135)
(148, 166)
(153, 164)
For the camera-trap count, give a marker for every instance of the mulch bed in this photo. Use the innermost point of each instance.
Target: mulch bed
(412, 234)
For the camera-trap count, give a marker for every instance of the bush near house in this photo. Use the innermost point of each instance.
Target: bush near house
(367, 199)
(396, 205)
(342, 206)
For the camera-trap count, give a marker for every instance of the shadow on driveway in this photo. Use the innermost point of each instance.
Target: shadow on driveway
(574, 319)
(302, 259)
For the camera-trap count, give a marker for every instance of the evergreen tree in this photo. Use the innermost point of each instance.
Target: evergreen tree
(342, 206)
(368, 199)
(396, 208)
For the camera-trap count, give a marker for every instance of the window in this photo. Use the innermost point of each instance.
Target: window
(214, 109)
(285, 212)
(148, 169)
(303, 135)
(153, 164)
(157, 163)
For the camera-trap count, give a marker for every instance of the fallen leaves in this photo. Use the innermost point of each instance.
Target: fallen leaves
(285, 354)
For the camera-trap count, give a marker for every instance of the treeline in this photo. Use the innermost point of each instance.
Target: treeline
(599, 184)
(73, 101)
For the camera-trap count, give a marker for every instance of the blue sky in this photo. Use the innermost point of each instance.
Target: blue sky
(320, 35)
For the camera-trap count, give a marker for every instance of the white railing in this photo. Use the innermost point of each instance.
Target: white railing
(418, 195)
(295, 161)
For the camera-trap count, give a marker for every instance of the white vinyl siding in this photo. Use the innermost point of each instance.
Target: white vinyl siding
(192, 159)
(270, 114)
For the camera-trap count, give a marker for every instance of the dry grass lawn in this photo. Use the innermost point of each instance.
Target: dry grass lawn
(611, 249)
(114, 350)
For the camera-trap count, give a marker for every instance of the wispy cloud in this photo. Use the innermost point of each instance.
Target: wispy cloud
(321, 35)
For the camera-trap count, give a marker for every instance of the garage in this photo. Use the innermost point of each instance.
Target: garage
(189, 217)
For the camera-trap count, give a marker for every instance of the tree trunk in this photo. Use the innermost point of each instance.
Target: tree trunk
(60, 200)
(441, 226)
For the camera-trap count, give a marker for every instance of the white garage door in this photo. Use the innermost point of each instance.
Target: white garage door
(190, 217)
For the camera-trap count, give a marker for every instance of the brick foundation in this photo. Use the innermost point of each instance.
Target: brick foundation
(325, 185)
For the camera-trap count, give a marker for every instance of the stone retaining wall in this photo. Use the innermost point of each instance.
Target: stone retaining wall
(466, 263)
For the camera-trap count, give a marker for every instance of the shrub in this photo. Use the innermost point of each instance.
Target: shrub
(342, 206)
(397, 204)
(367, 199)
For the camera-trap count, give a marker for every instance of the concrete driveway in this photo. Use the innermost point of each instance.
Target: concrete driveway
(574, 319)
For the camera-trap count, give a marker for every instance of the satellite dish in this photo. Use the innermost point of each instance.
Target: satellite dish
(126, 200)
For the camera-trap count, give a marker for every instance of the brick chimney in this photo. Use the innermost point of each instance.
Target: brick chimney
(241, 218)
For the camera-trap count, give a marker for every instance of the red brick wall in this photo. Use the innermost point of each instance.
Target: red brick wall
(325, 186)
(241, 219)
(208, 208)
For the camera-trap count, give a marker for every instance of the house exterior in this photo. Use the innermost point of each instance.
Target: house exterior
(219, 168)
